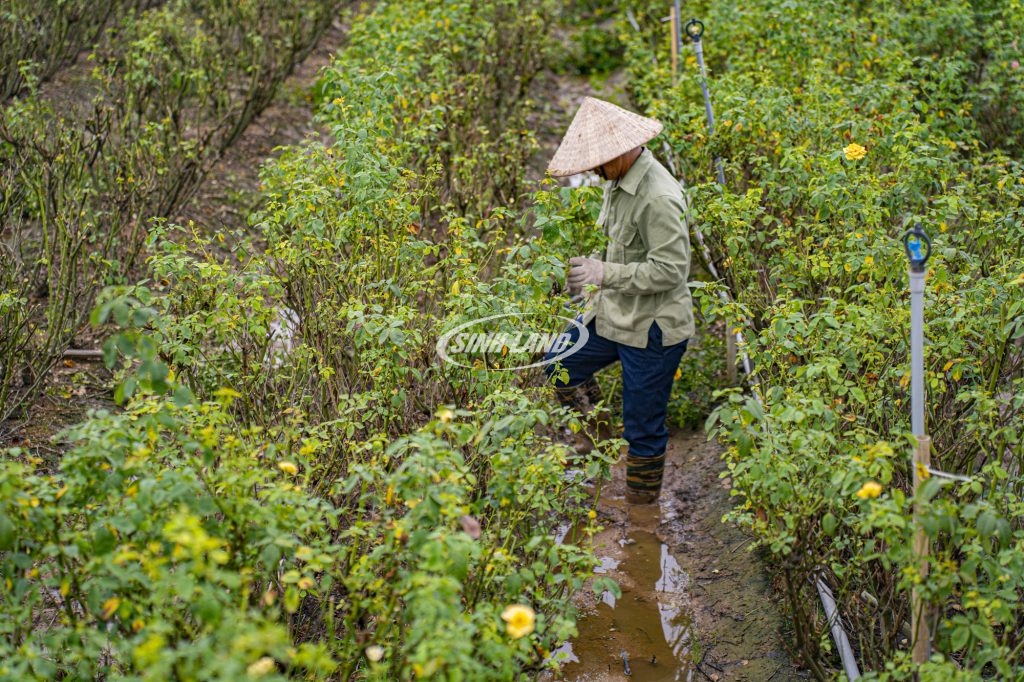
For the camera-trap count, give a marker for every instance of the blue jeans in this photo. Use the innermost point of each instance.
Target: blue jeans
(647, 375)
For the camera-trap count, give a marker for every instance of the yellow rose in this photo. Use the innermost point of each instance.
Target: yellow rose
(854, 151)
(869, 490)
(262, 667)
(519, 620)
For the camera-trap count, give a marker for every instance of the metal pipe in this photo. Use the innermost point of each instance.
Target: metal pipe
(695, 29)
(678, 37)
(918, 249)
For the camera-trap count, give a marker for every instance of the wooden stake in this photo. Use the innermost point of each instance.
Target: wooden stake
(730, 358)
(673, 21)
(918, 613)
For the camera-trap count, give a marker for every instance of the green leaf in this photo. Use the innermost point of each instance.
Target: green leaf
(103, 541)
(986, 524)
(8, 536)
(292, 596)
(829, 523)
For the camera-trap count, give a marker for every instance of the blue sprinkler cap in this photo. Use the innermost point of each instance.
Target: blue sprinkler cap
(918, 247)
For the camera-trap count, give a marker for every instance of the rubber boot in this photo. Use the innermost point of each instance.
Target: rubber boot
(584, 399)
(643, 478)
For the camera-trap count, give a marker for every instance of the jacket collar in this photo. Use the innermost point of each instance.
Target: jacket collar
(631, 180)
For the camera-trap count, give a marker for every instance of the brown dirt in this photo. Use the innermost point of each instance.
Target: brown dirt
(696, 603)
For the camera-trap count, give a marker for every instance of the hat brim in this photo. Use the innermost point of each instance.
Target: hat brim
(600, 132)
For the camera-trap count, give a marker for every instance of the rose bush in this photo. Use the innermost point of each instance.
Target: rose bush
(840, 127)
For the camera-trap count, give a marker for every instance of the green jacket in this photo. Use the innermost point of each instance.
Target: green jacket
(647, 259)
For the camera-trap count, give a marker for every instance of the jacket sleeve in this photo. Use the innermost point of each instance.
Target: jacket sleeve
(663, 229)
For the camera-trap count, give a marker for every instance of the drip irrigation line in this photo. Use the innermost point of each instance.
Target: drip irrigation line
(828, 602)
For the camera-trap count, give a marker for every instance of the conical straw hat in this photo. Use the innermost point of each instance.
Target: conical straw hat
(599, 132)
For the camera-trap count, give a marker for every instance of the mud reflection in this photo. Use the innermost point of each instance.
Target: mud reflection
(649, 622)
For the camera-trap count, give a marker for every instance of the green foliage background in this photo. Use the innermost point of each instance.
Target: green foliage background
(295, 480)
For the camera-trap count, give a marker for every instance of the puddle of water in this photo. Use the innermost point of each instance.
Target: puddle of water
(648, 622)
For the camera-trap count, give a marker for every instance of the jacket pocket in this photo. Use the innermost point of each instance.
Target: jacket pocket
(625, 244)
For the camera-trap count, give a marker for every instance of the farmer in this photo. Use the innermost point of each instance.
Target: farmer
(639, 310)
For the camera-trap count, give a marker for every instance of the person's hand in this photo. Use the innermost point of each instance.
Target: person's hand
(584, 271)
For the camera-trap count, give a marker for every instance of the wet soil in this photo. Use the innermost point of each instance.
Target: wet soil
(696, 602)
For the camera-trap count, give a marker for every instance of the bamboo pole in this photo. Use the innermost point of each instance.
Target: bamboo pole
(921, 641)
(673, 20)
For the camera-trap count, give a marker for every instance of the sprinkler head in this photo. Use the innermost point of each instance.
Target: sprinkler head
(918, 247)
(694, 29)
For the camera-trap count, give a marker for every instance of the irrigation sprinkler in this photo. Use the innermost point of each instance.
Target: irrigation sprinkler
(695, 29)
(918, 249)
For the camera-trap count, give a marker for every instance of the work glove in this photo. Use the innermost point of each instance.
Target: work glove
(584, 271)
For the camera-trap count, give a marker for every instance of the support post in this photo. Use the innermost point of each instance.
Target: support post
(921, 640)
(673, 19)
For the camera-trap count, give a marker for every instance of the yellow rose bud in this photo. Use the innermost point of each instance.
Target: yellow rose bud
(869, 490)
(262, 667)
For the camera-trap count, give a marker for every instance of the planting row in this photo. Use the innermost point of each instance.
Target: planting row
(841, 127)
(81, 175)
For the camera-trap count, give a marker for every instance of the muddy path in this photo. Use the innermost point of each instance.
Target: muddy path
(696, 602)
